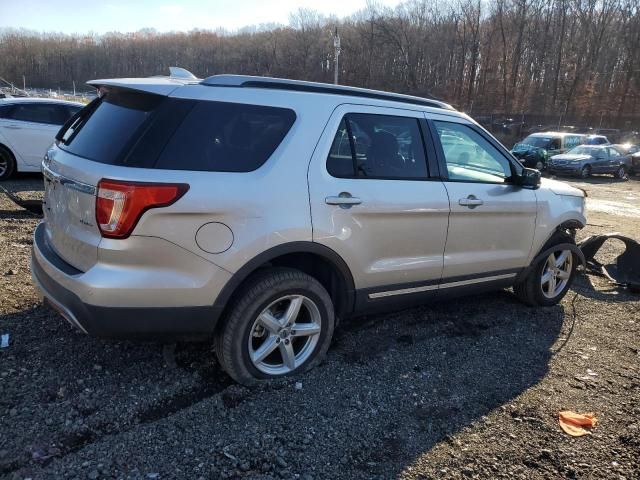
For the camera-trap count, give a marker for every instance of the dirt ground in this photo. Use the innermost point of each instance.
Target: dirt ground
(466, 389)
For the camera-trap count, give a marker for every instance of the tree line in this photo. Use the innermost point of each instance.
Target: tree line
(577, 59)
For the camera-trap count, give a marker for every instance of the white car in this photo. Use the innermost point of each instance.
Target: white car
(28, 127)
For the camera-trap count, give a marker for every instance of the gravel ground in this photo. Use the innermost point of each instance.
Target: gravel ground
(467, 389)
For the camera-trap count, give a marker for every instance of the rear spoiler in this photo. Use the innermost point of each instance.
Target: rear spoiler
(160, 85)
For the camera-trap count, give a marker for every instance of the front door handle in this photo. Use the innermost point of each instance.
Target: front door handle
(471, 201)
(344, 200)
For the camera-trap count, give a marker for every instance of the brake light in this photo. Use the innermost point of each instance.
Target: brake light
(119, 205)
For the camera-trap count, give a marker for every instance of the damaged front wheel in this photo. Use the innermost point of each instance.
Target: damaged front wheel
(549, 279)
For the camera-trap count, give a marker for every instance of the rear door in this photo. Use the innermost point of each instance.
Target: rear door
(615, 159)
(492, 221)
(31, 129)
(375, 204)
(602, 162)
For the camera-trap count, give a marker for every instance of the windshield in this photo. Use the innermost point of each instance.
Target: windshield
(582, 150)
(540, 142)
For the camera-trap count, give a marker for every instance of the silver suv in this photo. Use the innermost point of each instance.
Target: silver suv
(261, 211)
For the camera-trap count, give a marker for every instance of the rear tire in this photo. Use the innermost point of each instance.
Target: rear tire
(621, 173)
(586, 171)
(280, 324)
(540, 165)
(550, 279)
(7, 164)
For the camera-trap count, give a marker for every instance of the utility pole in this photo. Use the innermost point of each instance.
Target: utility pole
(74, 88)
(24, 83)
(336, 63)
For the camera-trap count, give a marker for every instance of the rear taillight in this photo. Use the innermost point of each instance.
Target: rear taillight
(119, 205)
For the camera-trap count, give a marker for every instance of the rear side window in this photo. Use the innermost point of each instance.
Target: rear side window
(226, 137)
(107, 127)
(39, 113)
(378, 147)
(5, 110)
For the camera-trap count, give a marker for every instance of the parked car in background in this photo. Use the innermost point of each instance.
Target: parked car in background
(587, 159)
(633, 152)
(28, 127)
(273, 209)
(535, 150)
(596, 140)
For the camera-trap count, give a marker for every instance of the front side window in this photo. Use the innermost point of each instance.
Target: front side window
(613, 152)
(39, 113)
(469, 156)
(377, 147)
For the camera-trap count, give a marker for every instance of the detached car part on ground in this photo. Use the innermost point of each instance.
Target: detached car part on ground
(261, 211)
(626, 270)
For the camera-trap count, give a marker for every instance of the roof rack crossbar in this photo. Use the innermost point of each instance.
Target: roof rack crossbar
(301, 86)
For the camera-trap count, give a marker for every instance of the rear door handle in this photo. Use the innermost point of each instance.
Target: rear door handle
(471, 201)
(344, 200)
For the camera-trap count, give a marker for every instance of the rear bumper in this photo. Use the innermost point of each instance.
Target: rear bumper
(56, 282)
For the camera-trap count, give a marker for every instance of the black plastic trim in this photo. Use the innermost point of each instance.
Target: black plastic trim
(130, 322)
(293, 247)
(364, 303)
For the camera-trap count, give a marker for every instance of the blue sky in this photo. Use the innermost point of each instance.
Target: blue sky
(75, 16)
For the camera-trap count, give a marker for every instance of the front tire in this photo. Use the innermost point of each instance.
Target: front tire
(7, 164)
(280, 324)
(586, 171)
(550, 279)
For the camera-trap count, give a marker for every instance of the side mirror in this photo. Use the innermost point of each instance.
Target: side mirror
(529, 178)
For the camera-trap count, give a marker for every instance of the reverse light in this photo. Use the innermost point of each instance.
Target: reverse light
(119, 205)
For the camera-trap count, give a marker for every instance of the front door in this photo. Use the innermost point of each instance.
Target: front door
(492, 221)
(375, 204)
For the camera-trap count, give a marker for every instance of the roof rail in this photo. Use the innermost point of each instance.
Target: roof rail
(248, 81)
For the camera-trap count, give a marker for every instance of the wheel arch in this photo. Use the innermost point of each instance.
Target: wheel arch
(4, 146)
(317, 260)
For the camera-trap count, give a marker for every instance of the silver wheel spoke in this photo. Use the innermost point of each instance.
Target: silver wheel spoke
(276, 329)
(552, 285)
(292, 312)
(268, 346)
(562, 258)
(288, 355)
(546, 276)
(270, 322)
(305, 329)
(562, 275)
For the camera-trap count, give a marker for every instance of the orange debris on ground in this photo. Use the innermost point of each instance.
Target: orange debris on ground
(576, 424)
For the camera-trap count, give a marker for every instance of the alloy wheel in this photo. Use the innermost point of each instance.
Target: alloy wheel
(556, 273)
(4, 164)
(284, 335)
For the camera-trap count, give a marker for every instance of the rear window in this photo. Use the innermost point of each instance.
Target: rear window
(107, 127)
(150, 131)
(226, 137)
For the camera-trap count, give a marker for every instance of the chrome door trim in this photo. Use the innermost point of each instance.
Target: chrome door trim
(426, 288)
